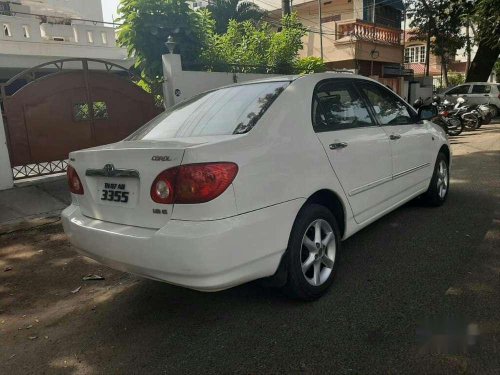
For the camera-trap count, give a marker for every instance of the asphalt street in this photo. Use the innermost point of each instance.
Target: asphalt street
(416, 292)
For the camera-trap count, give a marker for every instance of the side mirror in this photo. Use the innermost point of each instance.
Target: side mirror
(427, 112)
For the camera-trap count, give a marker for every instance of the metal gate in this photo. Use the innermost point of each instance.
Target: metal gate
(67, 105)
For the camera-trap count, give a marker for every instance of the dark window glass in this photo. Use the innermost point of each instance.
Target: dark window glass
(337, 105)
(459, 90)
(481, 89)
(100, 110)
(81, 112)
(389, 109)
(230, 110)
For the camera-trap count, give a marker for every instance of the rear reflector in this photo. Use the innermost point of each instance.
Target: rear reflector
(193, 183)
(74, 183)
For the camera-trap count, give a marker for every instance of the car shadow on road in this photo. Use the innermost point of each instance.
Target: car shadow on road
(393, 276)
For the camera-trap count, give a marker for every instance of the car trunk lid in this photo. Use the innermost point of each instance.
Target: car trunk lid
(117, 179)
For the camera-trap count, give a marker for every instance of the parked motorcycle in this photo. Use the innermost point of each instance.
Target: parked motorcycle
(448, 119)
(466, 114)
(482, 111)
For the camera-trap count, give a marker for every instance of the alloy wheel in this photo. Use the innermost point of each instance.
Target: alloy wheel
(442, 179)
(318, 252)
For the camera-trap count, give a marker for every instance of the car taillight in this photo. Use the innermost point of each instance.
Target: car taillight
(162, 190)
(75, 185)
(193, 183)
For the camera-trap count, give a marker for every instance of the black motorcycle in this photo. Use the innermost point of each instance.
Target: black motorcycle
(448, 119)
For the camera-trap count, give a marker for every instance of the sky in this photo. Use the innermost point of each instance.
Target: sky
(109, 9)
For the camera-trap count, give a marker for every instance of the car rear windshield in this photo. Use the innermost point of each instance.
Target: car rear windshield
(230, 110)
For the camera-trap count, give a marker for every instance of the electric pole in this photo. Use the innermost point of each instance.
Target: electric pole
(320, 29)
(467, 47)
(428, 48)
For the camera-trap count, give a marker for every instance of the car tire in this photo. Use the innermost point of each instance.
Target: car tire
(312, 256)
(494, 111)
(439, 187)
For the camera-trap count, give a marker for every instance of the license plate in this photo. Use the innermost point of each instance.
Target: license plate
(114, 192)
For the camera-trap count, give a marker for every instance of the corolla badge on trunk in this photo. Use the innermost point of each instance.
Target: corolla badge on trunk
(161, 158)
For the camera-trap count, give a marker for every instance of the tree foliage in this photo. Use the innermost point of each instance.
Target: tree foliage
(445, 19)
(247, 47)
(225, 10)
(310, 64)
(146, 26)
(441, 21)
(486, 16)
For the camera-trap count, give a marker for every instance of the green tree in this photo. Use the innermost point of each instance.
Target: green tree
(486, 16)
(225, 10)
(441, 22)
(146, 26)
(310, 64)
(455, 78)
(247, 47)
(496, 68)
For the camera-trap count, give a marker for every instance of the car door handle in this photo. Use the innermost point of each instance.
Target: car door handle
(336, 146)
(393, 137)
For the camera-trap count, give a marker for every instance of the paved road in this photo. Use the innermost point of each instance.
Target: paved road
(416, 292)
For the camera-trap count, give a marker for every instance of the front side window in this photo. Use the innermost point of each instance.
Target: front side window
(337, 105)
(389, 109)
(230, 110)
(459, 90)
(481, 89)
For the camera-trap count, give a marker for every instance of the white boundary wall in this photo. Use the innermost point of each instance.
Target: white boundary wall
(6, 181)
(181, 85)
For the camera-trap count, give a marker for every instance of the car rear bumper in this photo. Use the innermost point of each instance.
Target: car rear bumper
(202, 255)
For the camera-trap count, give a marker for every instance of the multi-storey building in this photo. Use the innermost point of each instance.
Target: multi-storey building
(34, 32)
(362, 35)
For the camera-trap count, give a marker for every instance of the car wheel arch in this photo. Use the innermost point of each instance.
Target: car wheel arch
(333, 202)
(446, 151)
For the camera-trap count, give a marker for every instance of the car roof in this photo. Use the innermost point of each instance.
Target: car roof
(290, 78)
(478, 83)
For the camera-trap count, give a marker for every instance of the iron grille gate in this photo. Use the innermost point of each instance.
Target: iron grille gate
(67, 105)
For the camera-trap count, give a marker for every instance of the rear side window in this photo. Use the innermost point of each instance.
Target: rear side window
(337, 105)
(481, 89)
(459, 90)
(230, 110)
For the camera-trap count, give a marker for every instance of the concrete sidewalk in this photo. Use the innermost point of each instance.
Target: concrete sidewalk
(32, 199)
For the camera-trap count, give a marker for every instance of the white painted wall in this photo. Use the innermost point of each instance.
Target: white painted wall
(87, 9)
(181, 85)
(19, 52)
(6, 181)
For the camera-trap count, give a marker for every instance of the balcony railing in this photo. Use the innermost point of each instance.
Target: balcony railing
(361, 30)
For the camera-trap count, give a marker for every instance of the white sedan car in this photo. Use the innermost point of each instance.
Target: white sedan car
(254, 180)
